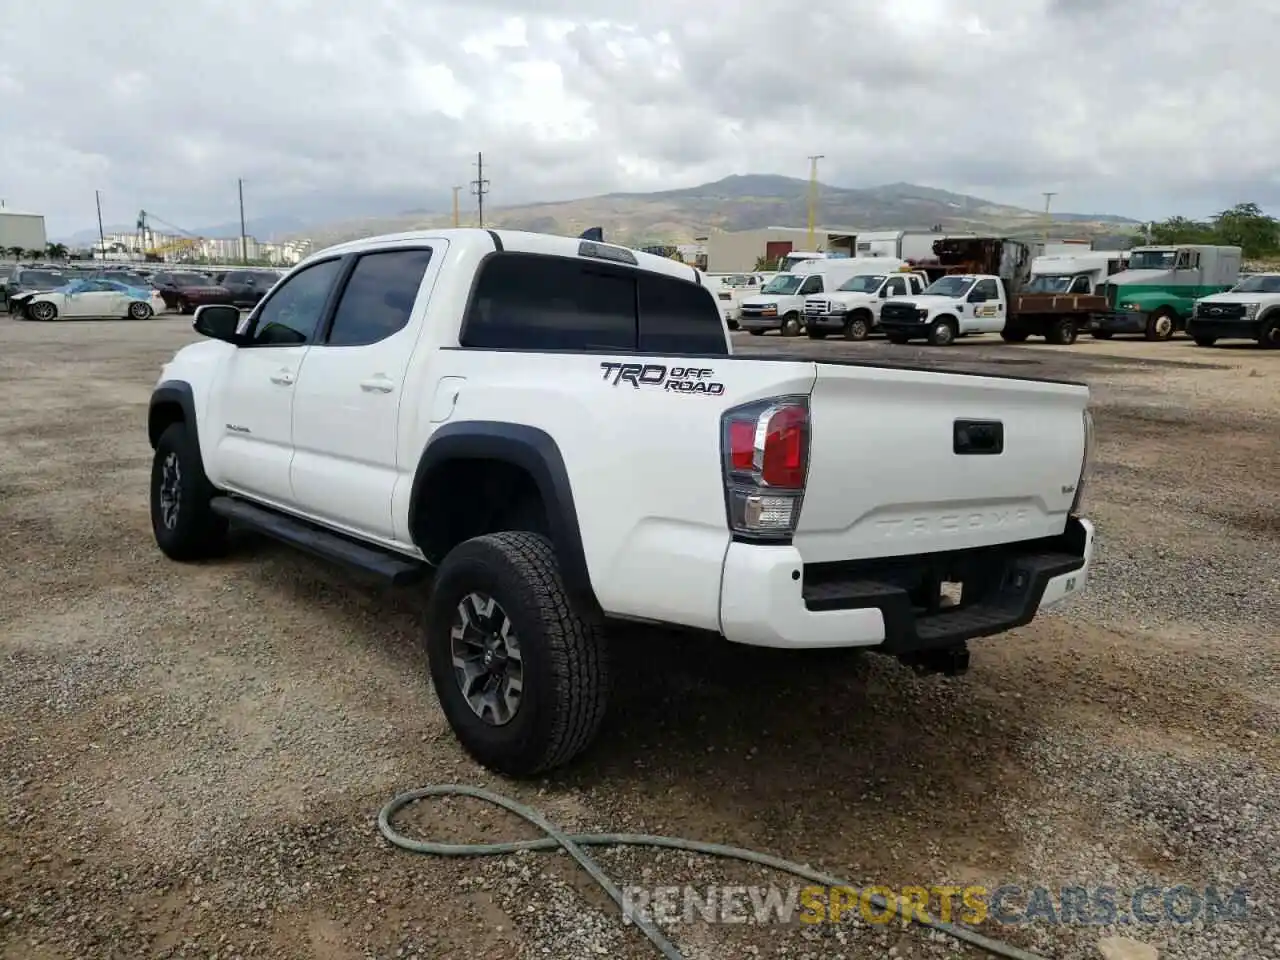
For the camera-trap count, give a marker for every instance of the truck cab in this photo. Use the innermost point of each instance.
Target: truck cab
(1076, 272)
(853, 308)
(1248, 311)
(780, 303)
(1155, 295)
(952, 306)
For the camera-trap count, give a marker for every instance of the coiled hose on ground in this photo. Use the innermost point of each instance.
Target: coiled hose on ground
(574, 844)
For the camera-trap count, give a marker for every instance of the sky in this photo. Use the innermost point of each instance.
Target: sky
(329, 109)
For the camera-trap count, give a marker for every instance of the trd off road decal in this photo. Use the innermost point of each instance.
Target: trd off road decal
(675, 379)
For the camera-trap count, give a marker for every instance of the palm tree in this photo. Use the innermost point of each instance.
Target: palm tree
(14, 252)
(35, 254)
(56, 251)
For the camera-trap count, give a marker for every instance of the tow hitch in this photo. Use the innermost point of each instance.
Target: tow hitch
(949, 661)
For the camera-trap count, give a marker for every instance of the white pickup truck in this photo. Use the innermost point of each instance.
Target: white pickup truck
(556, 433)
(853, 308)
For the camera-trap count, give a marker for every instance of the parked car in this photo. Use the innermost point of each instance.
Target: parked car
(90, 298)
(429, 407)
(247, 287)
(31, 280)
(184, 290)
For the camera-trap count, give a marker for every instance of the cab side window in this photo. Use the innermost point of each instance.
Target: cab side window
(1079, 285)
(988, 288)
(895, 287)
(290, 317)
(811, 285)
(378, 297)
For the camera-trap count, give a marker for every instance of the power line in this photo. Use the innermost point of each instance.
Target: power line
(480, 186)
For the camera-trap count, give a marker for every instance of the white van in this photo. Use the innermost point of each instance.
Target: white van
(780, 303)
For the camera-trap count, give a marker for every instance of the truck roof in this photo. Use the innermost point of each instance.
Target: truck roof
(517, 241)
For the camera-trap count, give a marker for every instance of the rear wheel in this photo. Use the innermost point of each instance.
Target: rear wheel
(1161, 324)
(791, 325)
(182, 306)
(139, 310)
(42, 310)
(1269, 335)
(522, 678)
(1062, 331)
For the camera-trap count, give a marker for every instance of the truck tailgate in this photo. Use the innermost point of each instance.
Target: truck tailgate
(896, 470)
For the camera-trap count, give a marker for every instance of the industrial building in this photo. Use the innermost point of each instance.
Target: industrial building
(738, 251)
(21, 230)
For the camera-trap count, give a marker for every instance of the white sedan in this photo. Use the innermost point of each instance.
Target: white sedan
(92, 298)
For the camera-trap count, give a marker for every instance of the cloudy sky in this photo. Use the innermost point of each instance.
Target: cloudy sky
(334, 108)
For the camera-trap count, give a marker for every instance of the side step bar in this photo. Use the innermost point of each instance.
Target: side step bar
(319, 542)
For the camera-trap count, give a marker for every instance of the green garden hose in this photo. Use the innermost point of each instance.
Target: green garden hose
(574, 844)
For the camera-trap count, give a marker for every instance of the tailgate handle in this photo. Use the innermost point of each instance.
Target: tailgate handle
(978, 437)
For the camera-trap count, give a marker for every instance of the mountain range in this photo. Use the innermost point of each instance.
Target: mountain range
(740, 202)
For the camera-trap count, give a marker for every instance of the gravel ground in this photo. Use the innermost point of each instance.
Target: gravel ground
(192, 758)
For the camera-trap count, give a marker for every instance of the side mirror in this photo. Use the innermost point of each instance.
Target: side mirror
(217, 322)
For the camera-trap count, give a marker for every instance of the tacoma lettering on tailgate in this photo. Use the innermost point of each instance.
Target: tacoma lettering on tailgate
(951, 523)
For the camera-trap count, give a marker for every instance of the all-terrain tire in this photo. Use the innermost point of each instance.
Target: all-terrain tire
(564, 654)
(191, 530)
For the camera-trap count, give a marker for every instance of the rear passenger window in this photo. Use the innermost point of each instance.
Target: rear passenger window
(379, 297)
(679, 316)
(530, 302)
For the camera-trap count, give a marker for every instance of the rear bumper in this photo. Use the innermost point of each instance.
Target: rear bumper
(770, 598)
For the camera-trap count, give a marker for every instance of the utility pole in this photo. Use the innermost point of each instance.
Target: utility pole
(1048, 218)
(813, 193)
(102, 237)
(457, 220)
(480, 186)
(244, 241)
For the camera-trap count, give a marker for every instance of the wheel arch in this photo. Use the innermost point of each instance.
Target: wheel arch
(529, 451)
(172, 401)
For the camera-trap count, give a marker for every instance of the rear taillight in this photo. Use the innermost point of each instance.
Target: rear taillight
(1086, 464)
(765, 448)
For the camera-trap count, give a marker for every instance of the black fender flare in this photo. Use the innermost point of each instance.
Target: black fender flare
(532, 450)
(167, 394)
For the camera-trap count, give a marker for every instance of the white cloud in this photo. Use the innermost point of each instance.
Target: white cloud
(328, 108)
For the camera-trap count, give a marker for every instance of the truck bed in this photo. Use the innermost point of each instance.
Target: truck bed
(1031, 304)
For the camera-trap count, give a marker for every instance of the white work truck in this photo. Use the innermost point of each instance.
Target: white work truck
(780, 304)
(1248, 311)
(556, 433)
(853, 308)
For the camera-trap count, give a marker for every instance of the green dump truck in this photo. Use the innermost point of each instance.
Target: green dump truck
(1157, 293)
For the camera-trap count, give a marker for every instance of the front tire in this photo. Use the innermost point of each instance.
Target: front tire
(1161, 325)
(943, 333)
(790, 325)
(857, 327)
(140, 311)
(42, 310)
(1269, 335)
(185, 527)
(499, 607)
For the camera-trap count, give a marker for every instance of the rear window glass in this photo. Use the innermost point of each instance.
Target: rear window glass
(532, 302)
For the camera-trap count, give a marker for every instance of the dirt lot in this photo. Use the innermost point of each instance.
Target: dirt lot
(192, 758)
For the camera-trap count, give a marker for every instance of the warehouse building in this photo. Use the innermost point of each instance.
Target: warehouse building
(24, 230)
(738, 251)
